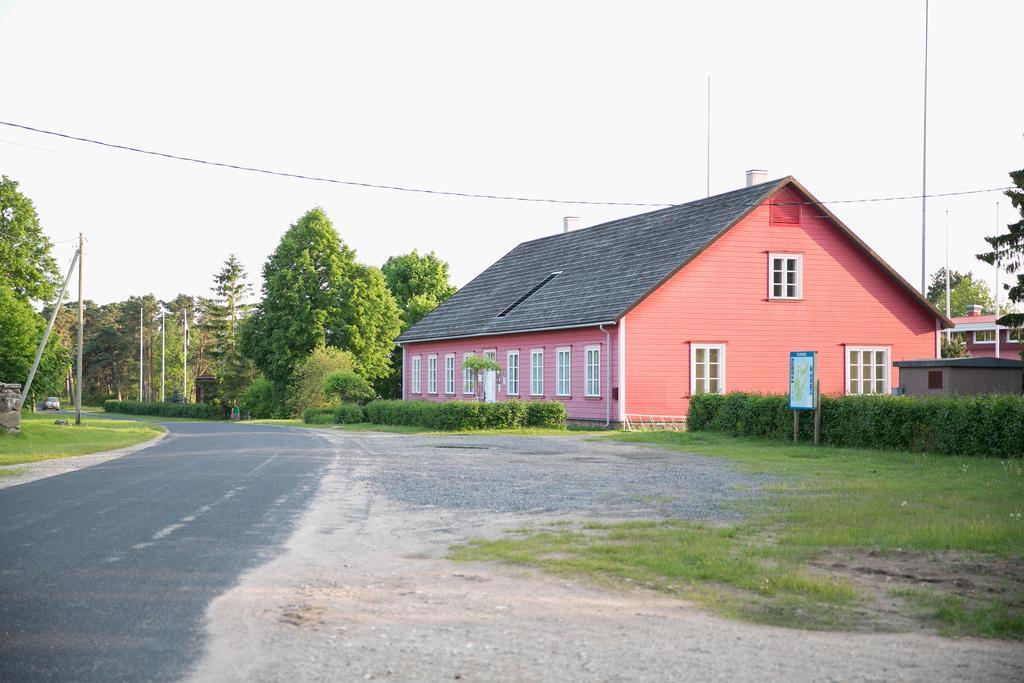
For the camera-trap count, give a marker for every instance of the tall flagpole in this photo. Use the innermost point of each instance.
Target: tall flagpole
(924, 157)
(163, 350)
(142, 312)
(948, 332)
(998, 331)
(81, 310)
(184, 361)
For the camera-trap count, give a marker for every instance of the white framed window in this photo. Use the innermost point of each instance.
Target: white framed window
(563, 362)
(491, 354)
(1015, 335)
(867, 370)
(785, 276)
(449, 373)
(512, 374)
(593, 358)
(537, 372)
(984, 336)
(707, 369)
(416, 377)
(431, 374)
(468, 379)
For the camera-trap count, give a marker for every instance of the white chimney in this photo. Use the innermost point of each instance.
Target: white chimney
(756, 176)
(570, 223)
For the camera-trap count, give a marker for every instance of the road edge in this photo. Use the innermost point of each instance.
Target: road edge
(43, 469)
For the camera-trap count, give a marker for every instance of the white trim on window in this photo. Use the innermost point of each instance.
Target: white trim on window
(512, 373)
(417, 374)
(709, 359)
(491, 354)
(1015, 335)
(432, 374)
(985, 341)
(858, 384)
(563, 371)
(536, 372)
(468, 380)
(780, 267)
(449, 373)
(592, 375)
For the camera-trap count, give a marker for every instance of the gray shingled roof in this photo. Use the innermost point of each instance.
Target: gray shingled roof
(605, 270)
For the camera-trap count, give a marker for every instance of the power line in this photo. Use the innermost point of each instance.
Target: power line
(447, 193)
(300, 176)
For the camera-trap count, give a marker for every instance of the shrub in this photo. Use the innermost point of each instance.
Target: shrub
(201, 411)
(307, 385)
(262, 399)
(967, 425)
(549, 414)
(348, 413)
(318, 416)
(466, 415)
(348, 386)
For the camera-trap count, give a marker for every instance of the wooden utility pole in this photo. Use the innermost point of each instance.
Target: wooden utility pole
(81, 311)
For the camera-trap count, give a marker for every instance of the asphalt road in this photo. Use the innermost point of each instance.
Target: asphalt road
(106, 572)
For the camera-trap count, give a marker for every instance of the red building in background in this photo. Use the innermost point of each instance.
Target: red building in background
(630, 319)
(979, 333)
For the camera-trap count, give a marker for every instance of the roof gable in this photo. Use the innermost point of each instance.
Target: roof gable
(605, 270)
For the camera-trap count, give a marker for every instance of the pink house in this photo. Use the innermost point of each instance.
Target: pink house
(980, 332)
(629, 319)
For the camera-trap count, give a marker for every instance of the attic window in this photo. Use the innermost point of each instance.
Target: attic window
(784, 212)
(526, 296)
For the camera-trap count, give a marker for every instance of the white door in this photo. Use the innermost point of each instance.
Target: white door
(490, 379)
(490, 386)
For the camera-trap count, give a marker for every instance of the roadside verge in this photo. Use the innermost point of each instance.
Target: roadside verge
(41, 469)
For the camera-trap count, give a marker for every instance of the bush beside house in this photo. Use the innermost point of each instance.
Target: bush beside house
(970, 425)
(467, 415)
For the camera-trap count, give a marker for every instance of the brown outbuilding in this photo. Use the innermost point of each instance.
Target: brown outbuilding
(960, 376)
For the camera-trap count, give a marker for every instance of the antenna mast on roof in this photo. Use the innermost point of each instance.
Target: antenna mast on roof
(707, 170)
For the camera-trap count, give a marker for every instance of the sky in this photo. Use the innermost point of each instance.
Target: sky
(573, 100)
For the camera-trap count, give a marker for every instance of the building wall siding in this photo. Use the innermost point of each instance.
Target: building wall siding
(722, 297)
(579, 407)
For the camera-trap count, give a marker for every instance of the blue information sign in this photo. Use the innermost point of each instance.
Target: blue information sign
(801, 380)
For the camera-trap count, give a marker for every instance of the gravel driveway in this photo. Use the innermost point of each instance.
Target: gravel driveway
(576, 474)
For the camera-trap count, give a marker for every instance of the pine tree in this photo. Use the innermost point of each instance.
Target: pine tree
(1008, 249)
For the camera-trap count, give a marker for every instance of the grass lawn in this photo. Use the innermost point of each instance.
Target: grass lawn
(40, 439)
(841, 537)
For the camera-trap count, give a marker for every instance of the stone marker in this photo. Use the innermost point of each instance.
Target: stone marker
(10, 408)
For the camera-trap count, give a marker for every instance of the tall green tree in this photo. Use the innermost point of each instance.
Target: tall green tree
(1008, 249)
(419, 284)
(315, 294)
(22, 331)
(222, 316)
(26, 264)
(964, 290)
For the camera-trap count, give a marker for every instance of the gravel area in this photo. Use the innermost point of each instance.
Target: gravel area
(576, 474)
(364, 589)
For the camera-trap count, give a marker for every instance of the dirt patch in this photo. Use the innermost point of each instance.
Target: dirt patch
(377, 599)
(884, 577)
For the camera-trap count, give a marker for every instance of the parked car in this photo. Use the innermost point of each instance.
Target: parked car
(51, 403)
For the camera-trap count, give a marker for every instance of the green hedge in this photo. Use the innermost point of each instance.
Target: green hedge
(346, 413)
(968, 425)
(203, 411)
(466, 415)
